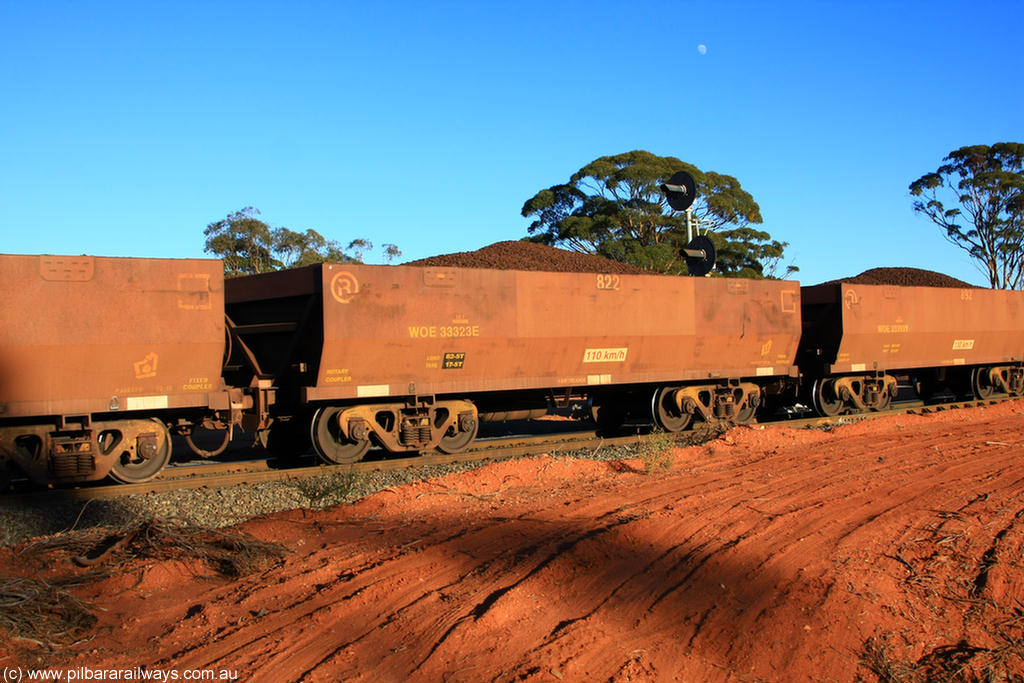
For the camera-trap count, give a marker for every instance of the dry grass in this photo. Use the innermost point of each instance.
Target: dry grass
(947, 571)
(959, 663)
(42, 613)
(328, 488)
(48, 614)
(229, 553)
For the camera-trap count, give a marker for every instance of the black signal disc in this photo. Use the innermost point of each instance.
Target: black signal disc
(697, 265)
(680, 200)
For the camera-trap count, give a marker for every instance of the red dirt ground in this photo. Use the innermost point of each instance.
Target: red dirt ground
(770, 554)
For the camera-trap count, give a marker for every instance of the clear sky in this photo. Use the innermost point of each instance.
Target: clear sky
(127, 127)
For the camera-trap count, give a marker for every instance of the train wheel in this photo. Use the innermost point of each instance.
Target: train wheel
(666, 413)
(981, 383)
(330, 444)
(745, 415)
(884, 400)
(143, 452)
(456, 441)
(823, 395)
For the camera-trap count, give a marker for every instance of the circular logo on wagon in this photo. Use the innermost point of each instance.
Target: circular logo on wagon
(344, 286)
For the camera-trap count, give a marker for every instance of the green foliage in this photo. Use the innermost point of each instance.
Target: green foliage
(984, 189)
(614, 207)
(244, 242)
(746, 252)
(656, 452)
(248, 246)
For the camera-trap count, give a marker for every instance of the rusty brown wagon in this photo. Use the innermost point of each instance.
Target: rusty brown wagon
(413, 358)
(99, 356)
(858, 338)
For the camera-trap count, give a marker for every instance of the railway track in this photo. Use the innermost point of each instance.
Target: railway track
(223, 474)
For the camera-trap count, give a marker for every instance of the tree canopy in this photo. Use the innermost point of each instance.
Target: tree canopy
(248, 246)
(614, 207)
(977, 198)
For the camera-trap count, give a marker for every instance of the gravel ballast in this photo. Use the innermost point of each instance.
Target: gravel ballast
(207, 507)
(218, 507)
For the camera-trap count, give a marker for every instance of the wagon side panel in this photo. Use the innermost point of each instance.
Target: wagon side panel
(892, 328)
(402, 331)
(88, 335)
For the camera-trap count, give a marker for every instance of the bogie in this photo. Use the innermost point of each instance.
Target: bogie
(343, 434)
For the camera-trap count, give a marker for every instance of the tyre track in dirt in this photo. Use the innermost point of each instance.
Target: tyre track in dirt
(768, 554)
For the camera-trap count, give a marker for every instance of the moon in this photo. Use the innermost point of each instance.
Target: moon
(702, 48)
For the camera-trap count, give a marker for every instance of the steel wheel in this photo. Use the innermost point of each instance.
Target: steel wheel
(137, 463)
(666, 413)
(456, 440)
(745, 415)
(330, 444)
(823, 395)
(981, 383)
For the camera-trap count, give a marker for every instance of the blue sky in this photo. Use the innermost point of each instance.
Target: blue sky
(127, 127)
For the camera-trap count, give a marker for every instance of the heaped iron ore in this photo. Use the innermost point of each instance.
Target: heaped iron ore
(904, 277)
(529, 256)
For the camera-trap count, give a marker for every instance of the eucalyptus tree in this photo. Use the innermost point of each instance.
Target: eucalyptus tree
(977, 198)
(248, 245)
(614, 207)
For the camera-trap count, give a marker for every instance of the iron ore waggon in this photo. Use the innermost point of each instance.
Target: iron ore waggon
(103, 359)
(858, 339)
(414, 358)
(98, 356)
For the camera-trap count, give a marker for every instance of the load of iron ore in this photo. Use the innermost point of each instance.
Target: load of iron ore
(529, 256)
(903, 277)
